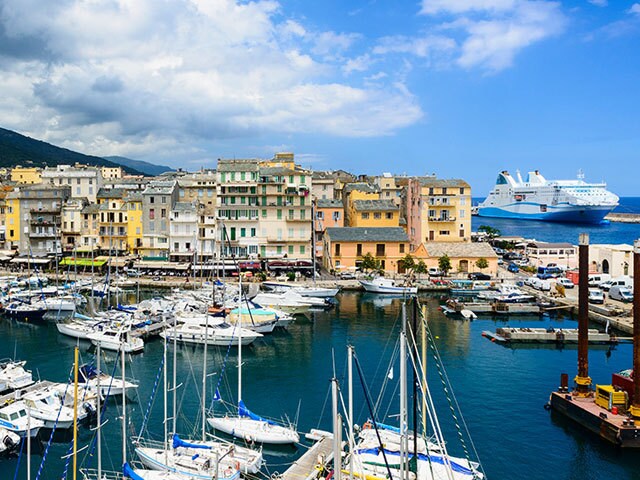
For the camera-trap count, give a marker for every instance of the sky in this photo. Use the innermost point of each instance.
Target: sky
(460, 88)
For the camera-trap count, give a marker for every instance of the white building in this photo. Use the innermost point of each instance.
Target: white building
(183, 231)
(84, 181)
(616, 260)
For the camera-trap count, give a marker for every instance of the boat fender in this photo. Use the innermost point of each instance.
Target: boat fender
(367, 425)
(237, 465)
(228, 472)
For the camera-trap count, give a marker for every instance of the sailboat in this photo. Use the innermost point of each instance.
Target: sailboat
(246, 424)
(386, 451)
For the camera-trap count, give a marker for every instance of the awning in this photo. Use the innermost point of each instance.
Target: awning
(85, 249)
(162, 265)
(35, 261)
(214, 267)
(82, 262)
(115, 262)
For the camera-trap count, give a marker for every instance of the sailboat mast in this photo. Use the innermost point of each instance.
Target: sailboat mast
(164, 395)
(337, 424)
(403, 395)
(175, 378)
(414, 329)
(204, 379)
(98, 412)
(124, 405)
(313, 241)
(350, 378)
(28, 444)
(75, 414)
(423, 345)
(239, 325)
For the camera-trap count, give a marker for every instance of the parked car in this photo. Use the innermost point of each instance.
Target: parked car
(621, 293)
(512, 256)
(435, 272)
(595, 279)
(499, 251)
(478, 276)
(540, 284)
(617, 282)
(347, 276)
(513, 268)
(565, 282)
(133, 273)
(596, 295)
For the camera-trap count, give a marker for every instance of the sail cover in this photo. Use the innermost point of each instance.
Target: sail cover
(243, 411)
(128, 472)
(178, 442)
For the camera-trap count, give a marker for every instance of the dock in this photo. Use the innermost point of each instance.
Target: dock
(623, 217)
(549, 335)
(493, 308)
(304, 468)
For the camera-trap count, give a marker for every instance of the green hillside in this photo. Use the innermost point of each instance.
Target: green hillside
(16, 149)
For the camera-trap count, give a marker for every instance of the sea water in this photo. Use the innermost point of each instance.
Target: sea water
(501, 391)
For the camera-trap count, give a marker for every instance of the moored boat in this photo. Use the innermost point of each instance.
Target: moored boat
(387, 285)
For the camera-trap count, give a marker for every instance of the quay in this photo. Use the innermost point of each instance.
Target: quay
(610, 411)
(310, 465)
(560, 336)
(623, 217)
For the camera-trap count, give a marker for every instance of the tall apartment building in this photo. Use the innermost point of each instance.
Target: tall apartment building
(265, 207)
(113, 223)
(84, 181)
(183, 240)
(437, 210)
(72, 223)
(133, 201)
(158, 199)
(90, 234)
(328, 214)
(199, 187)
(34, 217)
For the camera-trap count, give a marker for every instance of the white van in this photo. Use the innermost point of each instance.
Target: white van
(595, 279)
(622, 293)
(540, 284)
(625, 281)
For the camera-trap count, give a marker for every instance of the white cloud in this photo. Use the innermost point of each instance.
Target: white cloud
(635, 9)
(599, 3)
(490, 33)
(464, 6)
(418, 46)
(131, 76)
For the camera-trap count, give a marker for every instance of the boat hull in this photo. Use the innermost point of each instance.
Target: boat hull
(555, 213)
(254, 430)
(375, 288)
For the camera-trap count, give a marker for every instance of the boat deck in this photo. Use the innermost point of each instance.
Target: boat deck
(305, 467)
(614, 428)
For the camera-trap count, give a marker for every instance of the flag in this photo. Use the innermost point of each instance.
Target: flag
(390, 375)
(216, 396)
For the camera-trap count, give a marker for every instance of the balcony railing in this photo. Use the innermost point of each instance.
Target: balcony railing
(442, 219)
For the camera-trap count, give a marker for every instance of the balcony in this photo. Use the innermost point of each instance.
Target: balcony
(47, 223)
(442, 219)
(297, 219)
(46, 210)
(42, 235)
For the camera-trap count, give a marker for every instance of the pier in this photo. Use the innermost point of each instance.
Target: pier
(623, 217)
(317, 456)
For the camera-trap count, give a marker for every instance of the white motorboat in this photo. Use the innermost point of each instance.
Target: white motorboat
(289, 301)
(117, 340)
(109, 386)
(9, 441)
(220, 335)
(304, 290)
(25, 312)
(64, 304)
(45, 405)
(387, 285)
(14, 417)
(77, 328)
(13, 376)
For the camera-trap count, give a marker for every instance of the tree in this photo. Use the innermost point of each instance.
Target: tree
(482, 263)
(444, 263)
(369, 262)
(421, 267)
(408, 264)
(490, 231)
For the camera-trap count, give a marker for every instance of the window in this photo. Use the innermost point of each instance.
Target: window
(461, 233)
(152, 199)
(152, 213)
(264, 214)
(302, 179)
(253, 232)
(279, 250)
(163, 213)
(432, 213)
(336, 216)
(222, 177)
(290, 214)
(279, 214)
(389, 215)
(444, 190)
(462, 201)
(402, 248)
(388, 193)
(359, 250)
(461, 213)
(365, 216)
(320, 215)
(461, 190)
(176, 246)
(302, 201)
(233, 176)
(290, 178)
(302, 250)
(443, 232)
(290, 249)
(302, 214)
(243, 176)
(377, 215)
(337, 250)
(291, 233)
(380, 250)
(243, 232)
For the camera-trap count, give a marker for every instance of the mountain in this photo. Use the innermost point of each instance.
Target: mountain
(144, 167)
(17, 149)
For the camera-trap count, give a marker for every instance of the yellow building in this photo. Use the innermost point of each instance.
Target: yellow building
(437, 210)
(463, 256)
(357, 191)
(26, 175)
(345, 247)
(110, 173)
(374, 213)
(12, 214)
(134, 222)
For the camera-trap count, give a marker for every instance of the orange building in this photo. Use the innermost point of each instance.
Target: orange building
(328, 214)
(374, 213)
(345, 247)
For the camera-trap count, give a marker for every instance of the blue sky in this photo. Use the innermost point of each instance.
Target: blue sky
(460, 88)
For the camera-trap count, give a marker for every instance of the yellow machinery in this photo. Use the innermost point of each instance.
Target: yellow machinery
(608, 397)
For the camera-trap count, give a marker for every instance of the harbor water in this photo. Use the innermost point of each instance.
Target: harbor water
(611, 233)
(501, 391)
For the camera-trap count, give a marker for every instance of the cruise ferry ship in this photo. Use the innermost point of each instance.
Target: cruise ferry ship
(550, 200)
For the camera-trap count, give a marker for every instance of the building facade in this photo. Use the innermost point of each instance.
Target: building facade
(374, 213)
(84, 181)
(158, 199)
